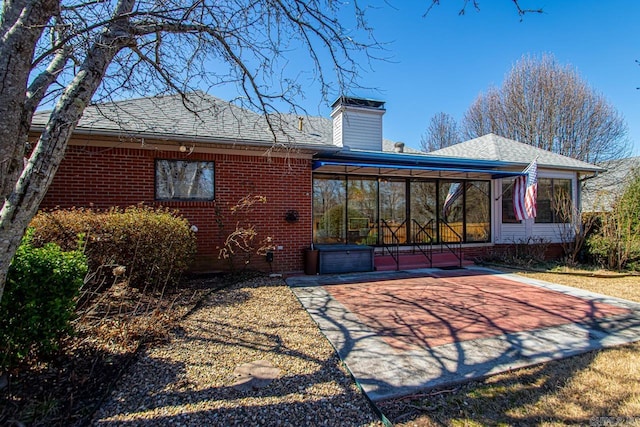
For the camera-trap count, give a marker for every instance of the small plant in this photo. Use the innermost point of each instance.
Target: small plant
(573, 229)
(39, 301)
(523, 252)
(241, 243)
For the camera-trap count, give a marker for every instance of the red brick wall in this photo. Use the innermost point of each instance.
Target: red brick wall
(100, 177)
(552, 251)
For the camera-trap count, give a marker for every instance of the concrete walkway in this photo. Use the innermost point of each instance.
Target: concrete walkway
(401, 332)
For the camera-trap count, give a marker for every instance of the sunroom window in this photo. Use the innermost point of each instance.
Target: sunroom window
(367, 210)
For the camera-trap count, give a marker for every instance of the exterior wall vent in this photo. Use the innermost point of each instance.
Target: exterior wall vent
(357, 123)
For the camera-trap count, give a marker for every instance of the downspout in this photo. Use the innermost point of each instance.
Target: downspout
(595, 175)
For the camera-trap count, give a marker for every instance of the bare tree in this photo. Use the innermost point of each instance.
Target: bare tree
(548, 105)
(441, 132)
(573, 228)
(69, 53)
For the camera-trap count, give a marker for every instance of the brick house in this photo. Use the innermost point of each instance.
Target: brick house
(332, 183)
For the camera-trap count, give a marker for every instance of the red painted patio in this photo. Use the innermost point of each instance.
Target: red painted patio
(452, 306)
(404, 331)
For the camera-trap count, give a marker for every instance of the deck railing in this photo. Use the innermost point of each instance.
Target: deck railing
(452, 240)
(423, 237)
(390, 240)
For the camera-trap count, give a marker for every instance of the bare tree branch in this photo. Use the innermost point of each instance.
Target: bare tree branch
(69, 53)
(550, 106)
(441, 132)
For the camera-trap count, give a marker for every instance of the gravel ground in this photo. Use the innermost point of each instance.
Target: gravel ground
(250, 355)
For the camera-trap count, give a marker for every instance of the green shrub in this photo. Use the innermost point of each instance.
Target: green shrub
(39, 300)
(616, 242)
(156, 245)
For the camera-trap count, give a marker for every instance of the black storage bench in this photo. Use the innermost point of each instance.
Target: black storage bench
(334, 259)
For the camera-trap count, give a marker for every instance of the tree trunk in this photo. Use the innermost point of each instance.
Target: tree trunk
(18, 37)
(22, 203)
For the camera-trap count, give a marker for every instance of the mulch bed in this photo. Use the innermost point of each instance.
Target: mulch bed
(66, 389)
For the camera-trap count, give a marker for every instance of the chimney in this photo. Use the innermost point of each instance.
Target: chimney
(398, 147)
(357, 123)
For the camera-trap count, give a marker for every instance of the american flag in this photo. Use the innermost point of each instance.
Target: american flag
(525, 192)
(455, 191)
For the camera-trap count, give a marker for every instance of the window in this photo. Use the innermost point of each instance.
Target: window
(365, 210)
(552, 195)
(184, 180)
(362, 210)
(508, 214)
(393, 210)
(451, 210)
(478, 212)
(329, 209)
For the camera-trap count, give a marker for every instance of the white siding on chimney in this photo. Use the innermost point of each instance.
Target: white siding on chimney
(337, 129)
(357, 128)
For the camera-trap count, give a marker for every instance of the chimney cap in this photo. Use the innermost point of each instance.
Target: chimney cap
(358, 102)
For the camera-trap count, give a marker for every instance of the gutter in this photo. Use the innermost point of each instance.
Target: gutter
(168, 138)
(586, 178)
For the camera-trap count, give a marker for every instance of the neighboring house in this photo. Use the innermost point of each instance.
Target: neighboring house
(332, 183)
(601, 192)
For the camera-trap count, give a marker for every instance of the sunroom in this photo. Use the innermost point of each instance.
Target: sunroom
(385, 198)
(404, 203)
(450, 201)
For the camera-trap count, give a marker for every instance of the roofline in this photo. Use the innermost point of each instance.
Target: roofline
(493, 173)
(538, 151)
(355, 101)
(186, 138)
(433, 160)
(591, 168)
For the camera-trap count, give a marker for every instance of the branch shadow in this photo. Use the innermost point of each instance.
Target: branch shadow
(197, 386)
(396, 355)
(524, 397)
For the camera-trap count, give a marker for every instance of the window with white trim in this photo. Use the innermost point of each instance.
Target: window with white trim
(553, 194)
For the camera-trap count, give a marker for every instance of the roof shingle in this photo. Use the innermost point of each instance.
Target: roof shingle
(498, 148)
(197, 116)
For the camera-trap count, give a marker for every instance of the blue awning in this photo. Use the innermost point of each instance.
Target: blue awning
(396, 167)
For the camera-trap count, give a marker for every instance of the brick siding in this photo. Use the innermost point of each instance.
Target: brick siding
(101, 177)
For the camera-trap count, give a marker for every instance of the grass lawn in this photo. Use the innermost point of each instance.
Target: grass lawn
(596, 388)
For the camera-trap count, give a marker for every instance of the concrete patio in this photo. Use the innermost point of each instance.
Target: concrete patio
(404, 331)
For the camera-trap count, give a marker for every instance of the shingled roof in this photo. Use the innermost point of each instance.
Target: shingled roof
(600, 193)
(197, 117)
(498, 148)
(200, 117)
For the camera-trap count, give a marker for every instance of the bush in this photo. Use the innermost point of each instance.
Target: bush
(39, 300)
(523, 252)
(156, 245)
(614, 248)
(616, 242)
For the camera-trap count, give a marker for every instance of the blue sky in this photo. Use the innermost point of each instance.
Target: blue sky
(441, 62)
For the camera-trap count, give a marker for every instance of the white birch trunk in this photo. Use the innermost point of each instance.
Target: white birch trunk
(23, 200)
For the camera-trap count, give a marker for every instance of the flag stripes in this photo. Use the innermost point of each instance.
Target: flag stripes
(455, 191)
(525, 193)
